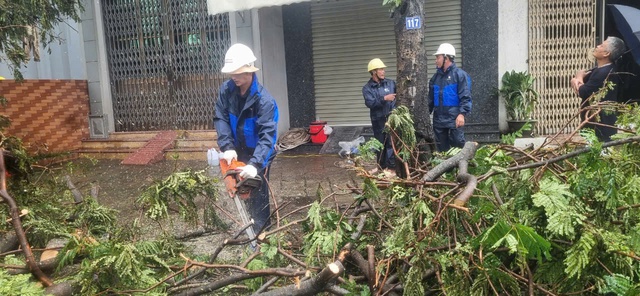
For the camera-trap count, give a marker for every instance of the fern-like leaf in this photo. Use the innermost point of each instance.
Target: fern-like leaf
(561, 215)
(579, 255)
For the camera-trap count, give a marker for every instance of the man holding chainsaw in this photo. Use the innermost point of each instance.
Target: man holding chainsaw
(246, 121)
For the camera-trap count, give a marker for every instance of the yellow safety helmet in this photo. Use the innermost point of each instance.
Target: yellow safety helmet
(375, 64)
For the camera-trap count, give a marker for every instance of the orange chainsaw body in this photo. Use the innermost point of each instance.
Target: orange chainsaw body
(235, 184)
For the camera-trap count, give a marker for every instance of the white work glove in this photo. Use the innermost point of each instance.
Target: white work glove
(248, 171)
(229, 156)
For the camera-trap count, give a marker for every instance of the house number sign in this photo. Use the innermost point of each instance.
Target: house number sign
(413, 22)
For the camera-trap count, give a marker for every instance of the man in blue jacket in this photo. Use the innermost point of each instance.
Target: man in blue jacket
(246, 121)
(449, 99)
(380, 96)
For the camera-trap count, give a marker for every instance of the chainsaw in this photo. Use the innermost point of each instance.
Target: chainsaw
(240, 189)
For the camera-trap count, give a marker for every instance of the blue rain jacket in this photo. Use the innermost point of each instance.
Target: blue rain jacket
(253, 131)
(449, 96)
(374, 93)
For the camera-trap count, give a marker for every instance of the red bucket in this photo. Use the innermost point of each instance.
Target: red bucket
(316, 130)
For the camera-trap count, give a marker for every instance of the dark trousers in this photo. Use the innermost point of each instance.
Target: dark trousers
(602, 132)
(257, 204)
(448, 137)
(386, 157)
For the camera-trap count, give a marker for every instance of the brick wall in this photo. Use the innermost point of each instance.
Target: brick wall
(48, 115)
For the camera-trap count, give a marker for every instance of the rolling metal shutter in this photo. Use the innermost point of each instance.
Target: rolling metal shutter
(344, 41)
(443, 24)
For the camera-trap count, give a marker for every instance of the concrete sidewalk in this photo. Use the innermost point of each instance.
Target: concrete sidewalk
(299, 177)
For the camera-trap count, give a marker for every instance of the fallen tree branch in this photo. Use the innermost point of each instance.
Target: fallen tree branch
(467, 153)
(317, 284)
(470, 181)
(17, 226)
(572, 154)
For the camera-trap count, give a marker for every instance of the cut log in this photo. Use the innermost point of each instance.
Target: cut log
(48, 257)
(62, 289)
(77, 196)
(8, 242)
(317, 284)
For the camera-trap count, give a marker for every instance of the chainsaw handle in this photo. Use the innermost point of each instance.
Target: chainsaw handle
(224, 166)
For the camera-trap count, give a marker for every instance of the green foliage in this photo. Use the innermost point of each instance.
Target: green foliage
(398, 242)
(94, 218)
(492, 277)
(518, 238)
(370, 190)
(118, 265)
(181, 189)
(628, 118)
(619, 285)
(19, 285)
(356, 289)
(510, 138)
(401, 122)
(325, 233)
(413, 280)
(19, 160)
(572, 228)
(519, 95)
(579, 255)
(369, 149)
(391, 3)
(562, 215)
(19, 17)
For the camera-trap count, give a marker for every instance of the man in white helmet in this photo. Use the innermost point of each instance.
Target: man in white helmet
(449, 99)
(380, 96)
(246, 121)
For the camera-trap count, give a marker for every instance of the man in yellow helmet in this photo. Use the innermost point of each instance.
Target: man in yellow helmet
(380, 96)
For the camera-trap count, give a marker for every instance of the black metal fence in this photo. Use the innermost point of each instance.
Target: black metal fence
(165, 58)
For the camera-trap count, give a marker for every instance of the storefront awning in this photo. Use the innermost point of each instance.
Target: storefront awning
(221, 6)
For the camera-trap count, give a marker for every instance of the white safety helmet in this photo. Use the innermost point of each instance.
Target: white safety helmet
(239, 59)
(446, 49)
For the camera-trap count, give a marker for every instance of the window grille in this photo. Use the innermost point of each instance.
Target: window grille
(165, 58)
(561, 37)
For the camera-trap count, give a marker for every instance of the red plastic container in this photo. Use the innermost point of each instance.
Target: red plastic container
(316, 130)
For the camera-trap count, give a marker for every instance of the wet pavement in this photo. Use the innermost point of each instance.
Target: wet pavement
(304, 176)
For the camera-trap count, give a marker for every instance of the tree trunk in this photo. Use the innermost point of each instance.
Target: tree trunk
(412, 82)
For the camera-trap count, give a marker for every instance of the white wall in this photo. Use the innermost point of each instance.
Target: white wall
(66, 60)
(513, 42)
(274, 72)
(98, 81)
(261, 30)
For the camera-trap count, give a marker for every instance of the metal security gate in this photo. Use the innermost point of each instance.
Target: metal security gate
(561, 34)
(165, 58)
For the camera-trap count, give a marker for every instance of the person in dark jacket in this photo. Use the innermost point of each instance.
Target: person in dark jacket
(380, 97)
(246, 122)
(586, 83)
(449, 99)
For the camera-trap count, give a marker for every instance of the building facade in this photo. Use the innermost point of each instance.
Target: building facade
(153, 65)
